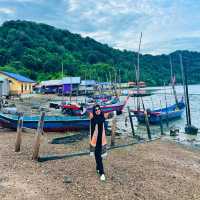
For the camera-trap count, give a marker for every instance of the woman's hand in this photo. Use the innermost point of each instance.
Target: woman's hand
(106, 115)
(90, 115)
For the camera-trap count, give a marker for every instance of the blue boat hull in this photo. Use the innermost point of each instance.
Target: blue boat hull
(166, 114)
(51, 123)
(156, 119)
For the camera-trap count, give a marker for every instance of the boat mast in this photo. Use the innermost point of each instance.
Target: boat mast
(186, 91)
(184, 87)
(62, 69)
(70, 97)
(119, 81)
(85, 85)
(173, 81)
(138, 72)
(189, 128)
(62, 80)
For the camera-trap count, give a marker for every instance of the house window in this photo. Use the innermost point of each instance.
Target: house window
(26, 87)
(22, 88)
(30, 87)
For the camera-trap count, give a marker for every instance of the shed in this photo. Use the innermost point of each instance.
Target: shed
(18, 84)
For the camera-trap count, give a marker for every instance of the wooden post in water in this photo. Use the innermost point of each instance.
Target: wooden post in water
(36, 146)
(189, 128)
(146, 120)
(166, 107)
(19, 133)
(131, 121)
(147, 124)
(114, 126)
(161, 125)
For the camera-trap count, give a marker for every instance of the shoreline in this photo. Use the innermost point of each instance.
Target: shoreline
(157, 170)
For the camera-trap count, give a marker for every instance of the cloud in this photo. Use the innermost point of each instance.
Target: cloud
(187, 43)
(7, 11)
(115, 22)
(119, 23)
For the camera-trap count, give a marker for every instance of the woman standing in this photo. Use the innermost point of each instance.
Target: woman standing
(98, 139)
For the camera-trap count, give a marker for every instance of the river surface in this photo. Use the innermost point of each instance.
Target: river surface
(162, 96)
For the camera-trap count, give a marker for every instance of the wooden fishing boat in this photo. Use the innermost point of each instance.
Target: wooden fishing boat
(76, 110)
(51, 123)
(166, 114)
(139, 93)
(102, 97)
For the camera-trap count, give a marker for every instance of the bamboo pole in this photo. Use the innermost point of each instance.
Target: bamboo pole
(19, 132)
(36, 146)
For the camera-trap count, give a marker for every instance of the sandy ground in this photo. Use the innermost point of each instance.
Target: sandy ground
(159, 170)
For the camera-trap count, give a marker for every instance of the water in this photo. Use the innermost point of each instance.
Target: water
(154, 101)
(157, 100)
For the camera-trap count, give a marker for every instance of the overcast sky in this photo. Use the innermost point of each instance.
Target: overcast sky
(167, 25)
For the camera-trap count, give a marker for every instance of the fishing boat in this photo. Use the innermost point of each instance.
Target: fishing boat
(51, 123)
(102, 97)
(139, 93)
(172, 112)
(107, 107)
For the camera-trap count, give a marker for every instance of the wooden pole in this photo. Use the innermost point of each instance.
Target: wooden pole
(138, 73)
(187, 95)
(19, 133)
(189, 128)
(71, 88)
(39, 132)
(184, 87)
(173, 81)
(161, 125)
(147, 124)
(114, 126)
(146, 120)
(131, 121)
(166, 106)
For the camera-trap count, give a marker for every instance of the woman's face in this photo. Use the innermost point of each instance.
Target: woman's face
(97, 111)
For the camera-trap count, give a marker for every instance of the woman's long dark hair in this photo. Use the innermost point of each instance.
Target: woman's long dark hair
(97, 119)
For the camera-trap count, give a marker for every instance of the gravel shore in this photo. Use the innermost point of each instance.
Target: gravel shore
(159, 170)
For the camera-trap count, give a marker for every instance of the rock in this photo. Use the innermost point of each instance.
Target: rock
(174, 131)
(67, 179)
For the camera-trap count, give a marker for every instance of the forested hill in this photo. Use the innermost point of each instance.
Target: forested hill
(38, 51)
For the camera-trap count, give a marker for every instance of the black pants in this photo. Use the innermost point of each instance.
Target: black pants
(98, 158)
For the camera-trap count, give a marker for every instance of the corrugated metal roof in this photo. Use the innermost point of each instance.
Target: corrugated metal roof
(51, 82)
(17, 77)
(65, 80)
(71, 80)
(104, 83)
(88, 82)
